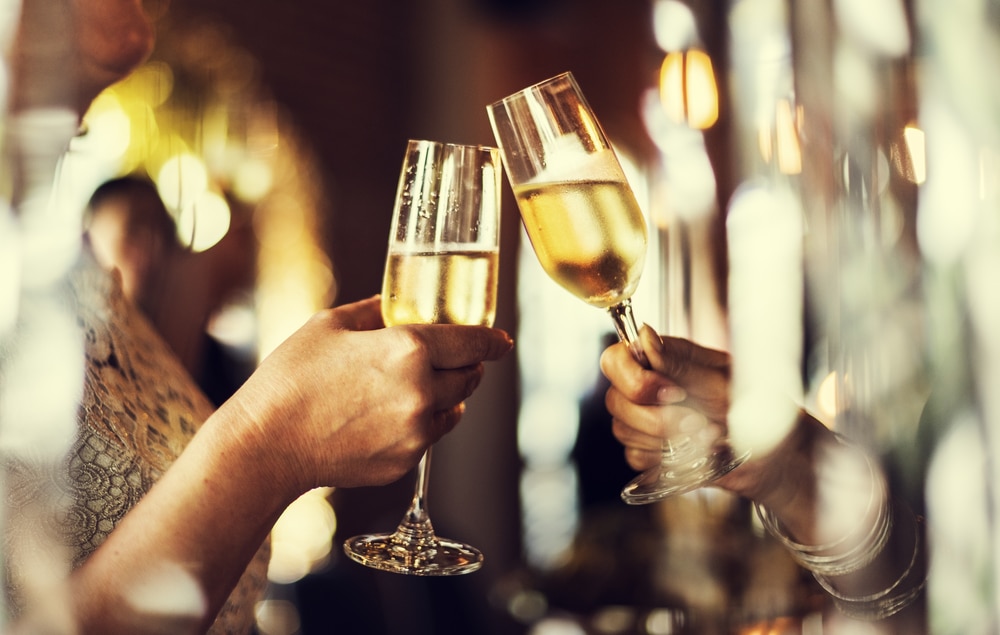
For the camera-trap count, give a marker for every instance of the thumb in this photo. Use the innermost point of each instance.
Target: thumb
(363, 315)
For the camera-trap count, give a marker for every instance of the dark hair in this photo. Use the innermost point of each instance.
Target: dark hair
(145, 212)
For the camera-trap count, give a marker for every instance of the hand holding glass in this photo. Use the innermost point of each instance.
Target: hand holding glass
(590, 236)
(442, 267)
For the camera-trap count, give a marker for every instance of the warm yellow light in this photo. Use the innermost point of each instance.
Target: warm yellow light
(786, 132)
(295, 275)
(252, 179)
(588, 122)
(688, 90)
(204, 222)
(152, 83)
(108, 121)
(181, 180)
(301, 538)
(672, 87)
(277, 617)
(915, 145)
(826, 397)
(778, 139)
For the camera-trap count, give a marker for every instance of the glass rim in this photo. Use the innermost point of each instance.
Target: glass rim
(450, 144)
(565, 75)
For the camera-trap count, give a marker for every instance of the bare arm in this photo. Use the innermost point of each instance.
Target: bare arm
(341, 403)
(819, 490)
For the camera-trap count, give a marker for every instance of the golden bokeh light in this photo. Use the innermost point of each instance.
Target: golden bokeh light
(917, 147)
(204, 222)
(688, 90)
(197, 121)
(181, 180)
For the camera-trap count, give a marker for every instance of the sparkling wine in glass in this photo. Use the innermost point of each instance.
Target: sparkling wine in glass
(442, 267)
(589, 234)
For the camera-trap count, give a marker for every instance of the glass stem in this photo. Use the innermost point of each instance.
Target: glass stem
(417, 515)
(628, 332)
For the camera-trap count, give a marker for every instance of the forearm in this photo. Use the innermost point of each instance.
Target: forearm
(836, 514)
(784, 479)
(185, 545)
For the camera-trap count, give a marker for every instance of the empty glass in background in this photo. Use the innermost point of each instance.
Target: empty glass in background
(589, 234)
(441, 267)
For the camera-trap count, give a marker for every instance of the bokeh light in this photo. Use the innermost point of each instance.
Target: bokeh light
(204, 222)
(301, 539)
(687, 88)
(765, 231)
(181, 180)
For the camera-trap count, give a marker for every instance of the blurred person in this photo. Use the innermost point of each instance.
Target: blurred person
(825, 499)
(169, 504)
(128, 228)
(601, 468)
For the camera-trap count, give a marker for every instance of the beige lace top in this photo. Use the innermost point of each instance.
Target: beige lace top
(138, 410)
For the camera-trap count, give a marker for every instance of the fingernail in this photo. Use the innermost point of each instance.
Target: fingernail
(652, 338)
(670, 395)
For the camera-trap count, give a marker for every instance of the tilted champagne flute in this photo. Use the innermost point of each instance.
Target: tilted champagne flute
(589, 234)
(441, 267)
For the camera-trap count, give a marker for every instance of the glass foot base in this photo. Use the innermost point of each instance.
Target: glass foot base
(432, 557)
(671, 479)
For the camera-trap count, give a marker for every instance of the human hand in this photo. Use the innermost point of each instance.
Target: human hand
(345, 402)
(684, 392)
(813, 487)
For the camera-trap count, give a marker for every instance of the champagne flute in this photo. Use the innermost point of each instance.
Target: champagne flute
(589, 234)
(441, 267)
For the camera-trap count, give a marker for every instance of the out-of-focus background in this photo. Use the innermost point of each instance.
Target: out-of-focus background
(821, 190)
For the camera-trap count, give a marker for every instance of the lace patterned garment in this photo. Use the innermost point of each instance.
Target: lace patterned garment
(138, 410)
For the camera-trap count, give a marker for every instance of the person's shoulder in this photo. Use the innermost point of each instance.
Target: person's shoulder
(89, 280)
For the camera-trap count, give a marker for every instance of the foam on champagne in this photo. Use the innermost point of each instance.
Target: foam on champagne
(565, 159)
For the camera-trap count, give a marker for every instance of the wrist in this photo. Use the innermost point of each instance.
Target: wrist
(895, 577)
(784, 479)
(844, 536)
(861, 545)
(250, 446)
